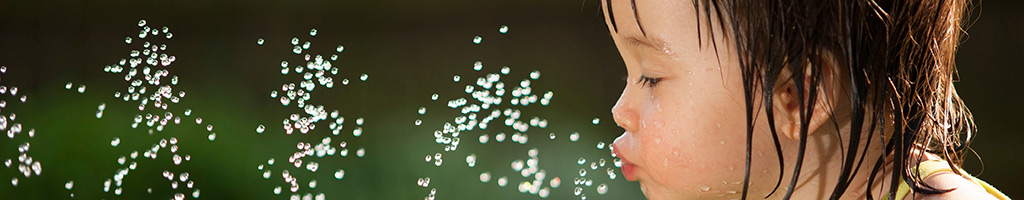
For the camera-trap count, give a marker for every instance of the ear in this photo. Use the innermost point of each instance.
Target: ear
(787, 106)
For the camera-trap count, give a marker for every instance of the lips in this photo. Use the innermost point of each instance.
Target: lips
(627, 167)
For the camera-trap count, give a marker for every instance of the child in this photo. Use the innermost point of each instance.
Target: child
(792, 99)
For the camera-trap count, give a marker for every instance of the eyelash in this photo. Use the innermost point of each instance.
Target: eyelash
(648, 81)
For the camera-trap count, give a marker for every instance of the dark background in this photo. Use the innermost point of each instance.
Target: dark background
(410, 50)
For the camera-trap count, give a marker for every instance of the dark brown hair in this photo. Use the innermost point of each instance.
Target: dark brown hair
(898, 58)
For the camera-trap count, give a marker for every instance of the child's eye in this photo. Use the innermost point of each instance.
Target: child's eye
(648, 81)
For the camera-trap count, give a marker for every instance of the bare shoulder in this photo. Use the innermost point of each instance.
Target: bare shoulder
(962, 188)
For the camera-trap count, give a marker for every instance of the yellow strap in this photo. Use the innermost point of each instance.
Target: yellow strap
(927, 168)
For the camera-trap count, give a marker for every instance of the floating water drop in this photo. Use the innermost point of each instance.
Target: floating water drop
(478, 65)
(340, 174)
(68, 86)
(142, 23)
(115, 142)
(574, 137)
(535, 75)
(260, 129)
(602, 189)
(596, 121)
(503, 29)
(81, 88)
(259, 41)
(128, 40)
(502, 181)
(364, 77)
(340, 48)
(433, 97)
(471, 160)
(477, 39)
(485, 177)
(312, 32)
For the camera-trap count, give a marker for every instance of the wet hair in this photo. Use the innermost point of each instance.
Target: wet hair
(898, 59)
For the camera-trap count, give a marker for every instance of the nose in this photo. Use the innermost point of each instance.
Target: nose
(624, 112)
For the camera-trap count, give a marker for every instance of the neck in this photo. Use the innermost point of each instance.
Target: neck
(823, 162)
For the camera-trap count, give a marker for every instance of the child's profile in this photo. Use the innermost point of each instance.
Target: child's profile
(793, 99)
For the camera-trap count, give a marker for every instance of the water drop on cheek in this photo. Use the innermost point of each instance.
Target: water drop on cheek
(704, 188)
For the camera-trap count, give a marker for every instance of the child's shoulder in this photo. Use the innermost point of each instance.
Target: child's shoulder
(962, 187)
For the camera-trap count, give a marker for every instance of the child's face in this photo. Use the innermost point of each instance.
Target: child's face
(684, 136)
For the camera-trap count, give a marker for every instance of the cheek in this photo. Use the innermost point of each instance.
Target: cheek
(693, 143)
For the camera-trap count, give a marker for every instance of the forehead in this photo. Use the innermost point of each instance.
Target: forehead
(658, 24)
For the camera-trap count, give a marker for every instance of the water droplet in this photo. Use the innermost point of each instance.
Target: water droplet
(339, 174)
(478, 65)
(456, 78)
(260, 128)
(471, 160)
(418, 122)
(364, 77)
(433, 97)
(502, 181)
(259, 41)
(340, 48)
(535, 75)
(68, 86)
(312, 32)
(574, 137)
(81, 88)
(422, 110)
(596, 121)
(128, 40)
(485, 177)
(552, 136)
(212, 136)
(142, 23)
(704, 188)
(503, 29)
(477, 39)
(295, 41)
(115, 142)
(69, 185)
(600, 145)
(602, 189)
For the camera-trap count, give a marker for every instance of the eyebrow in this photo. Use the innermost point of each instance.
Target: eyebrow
(647, 43)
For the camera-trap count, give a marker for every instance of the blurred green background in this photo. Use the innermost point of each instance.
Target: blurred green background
(410, 49)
